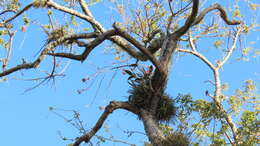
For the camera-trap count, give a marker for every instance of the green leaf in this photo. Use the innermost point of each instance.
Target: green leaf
(26, 20)
(51, 108)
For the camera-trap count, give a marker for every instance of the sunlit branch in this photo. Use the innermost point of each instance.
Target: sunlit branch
(223, 15)
(231, 49)
(192, 45)
(127, 48)
(86, 11)
(114, 105)
(85, 8)
(200, 56)
(77, 14)
(218, 88)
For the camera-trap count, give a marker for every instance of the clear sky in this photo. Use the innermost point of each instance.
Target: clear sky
(26, 120)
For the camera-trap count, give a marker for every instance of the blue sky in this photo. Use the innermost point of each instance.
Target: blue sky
(26, 120)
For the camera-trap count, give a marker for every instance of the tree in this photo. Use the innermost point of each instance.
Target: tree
(153, 33)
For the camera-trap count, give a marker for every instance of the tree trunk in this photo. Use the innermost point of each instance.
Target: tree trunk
(151, 127)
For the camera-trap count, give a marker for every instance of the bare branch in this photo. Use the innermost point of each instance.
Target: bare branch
(114, 105)
(16, 15)
(48, 48)
(88, 47)
(138, 45)
(200, 56)
(218, 88)
(88, 18)
(231, 49)
(84, 7)
(191, 42)
(6, 11)
(223, 15)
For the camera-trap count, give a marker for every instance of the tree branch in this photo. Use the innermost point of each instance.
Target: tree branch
(88, 18)
(88, 47)
(16, 15)
(223, 15)
(6, 11)
(218, 88)
(45, 51)
(84, 7)
(190, 20)
(231, 49)
(138, 45)
(114, 105)
(200, 56)
(96, 25)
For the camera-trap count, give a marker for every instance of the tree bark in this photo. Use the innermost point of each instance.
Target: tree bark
(151, 128)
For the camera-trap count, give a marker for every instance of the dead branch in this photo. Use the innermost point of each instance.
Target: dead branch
(113, 105)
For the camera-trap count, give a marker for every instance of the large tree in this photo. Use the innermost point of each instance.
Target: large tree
(151, 33)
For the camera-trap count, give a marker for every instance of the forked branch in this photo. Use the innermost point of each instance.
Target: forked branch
(231, 49)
